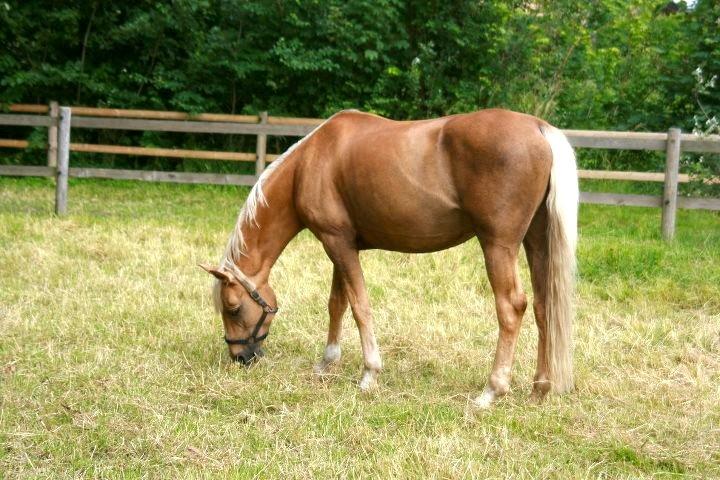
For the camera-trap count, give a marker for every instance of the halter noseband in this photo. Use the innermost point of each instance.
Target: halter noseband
(254, 338)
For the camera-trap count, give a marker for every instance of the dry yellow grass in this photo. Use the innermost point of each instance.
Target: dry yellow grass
(112, 363)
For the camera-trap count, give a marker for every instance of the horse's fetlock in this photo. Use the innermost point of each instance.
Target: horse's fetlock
(500, 382)
(374, 363)
(500, 387)
(332, 353)
(541, 384)
(368, 379)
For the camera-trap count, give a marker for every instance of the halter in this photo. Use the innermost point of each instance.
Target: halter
(254, 338)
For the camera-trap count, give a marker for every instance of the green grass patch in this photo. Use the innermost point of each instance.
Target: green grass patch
(112, 363)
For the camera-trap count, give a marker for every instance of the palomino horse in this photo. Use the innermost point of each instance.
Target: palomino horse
(360, 181)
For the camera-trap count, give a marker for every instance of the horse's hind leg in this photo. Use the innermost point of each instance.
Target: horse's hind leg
(337, 305)
(536, 247)
(510, 304)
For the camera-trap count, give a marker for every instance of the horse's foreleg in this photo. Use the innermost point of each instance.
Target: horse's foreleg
(510, 303)
(337, 305)
(346, 259)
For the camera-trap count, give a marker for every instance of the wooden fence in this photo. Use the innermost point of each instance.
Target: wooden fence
(60, 121)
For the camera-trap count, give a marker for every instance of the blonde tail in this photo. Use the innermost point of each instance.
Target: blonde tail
(562, 205)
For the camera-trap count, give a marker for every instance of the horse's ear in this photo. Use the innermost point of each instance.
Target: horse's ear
(218, 272)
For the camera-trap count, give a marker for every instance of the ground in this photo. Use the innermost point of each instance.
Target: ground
(112, 362)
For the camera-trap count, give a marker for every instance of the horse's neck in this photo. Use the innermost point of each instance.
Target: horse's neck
(275, 225)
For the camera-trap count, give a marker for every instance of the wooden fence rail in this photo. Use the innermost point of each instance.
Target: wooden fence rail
(60, 121)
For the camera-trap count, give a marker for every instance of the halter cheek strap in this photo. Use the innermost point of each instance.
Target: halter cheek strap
(254, 337)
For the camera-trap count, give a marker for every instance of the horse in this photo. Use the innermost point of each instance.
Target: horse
(360, 181)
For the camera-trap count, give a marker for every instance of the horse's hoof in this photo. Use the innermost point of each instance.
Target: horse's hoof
(484, 400)
(323, 368)
(537, 396)
(368, 381)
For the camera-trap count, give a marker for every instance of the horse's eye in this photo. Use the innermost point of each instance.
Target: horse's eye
(235, 311)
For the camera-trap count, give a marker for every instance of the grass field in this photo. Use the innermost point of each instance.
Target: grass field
(112, 363)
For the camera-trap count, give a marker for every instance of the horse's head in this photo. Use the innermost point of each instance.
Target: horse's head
(247, 311)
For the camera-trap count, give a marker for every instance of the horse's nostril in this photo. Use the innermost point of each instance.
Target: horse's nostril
(239, 359)
(248, 357)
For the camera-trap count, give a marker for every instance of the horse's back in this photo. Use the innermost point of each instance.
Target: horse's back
(421, 185)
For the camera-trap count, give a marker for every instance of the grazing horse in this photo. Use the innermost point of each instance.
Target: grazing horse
(360, 181)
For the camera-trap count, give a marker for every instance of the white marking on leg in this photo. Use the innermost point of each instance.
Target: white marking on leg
(485, 399)
(368, 379)
(498, 385)
(373, 361)
(373, 365)
(502, 381)
(332, 353)
(330, 358)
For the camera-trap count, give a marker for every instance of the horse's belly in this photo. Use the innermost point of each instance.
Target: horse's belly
(411, 233)
(408, 209)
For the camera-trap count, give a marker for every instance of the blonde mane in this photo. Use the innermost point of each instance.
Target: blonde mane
(235, 248)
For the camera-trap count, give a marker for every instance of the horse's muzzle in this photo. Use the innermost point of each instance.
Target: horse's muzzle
(248, 356)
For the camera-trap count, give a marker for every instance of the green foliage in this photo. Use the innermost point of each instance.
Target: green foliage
(606, 65)
(707, 74)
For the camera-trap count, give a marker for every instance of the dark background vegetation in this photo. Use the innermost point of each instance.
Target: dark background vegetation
(638, 65)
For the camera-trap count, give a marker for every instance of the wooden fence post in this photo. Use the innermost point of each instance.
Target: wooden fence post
(52, 152)
(670, 193)
(261, 149)
(61, 187)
